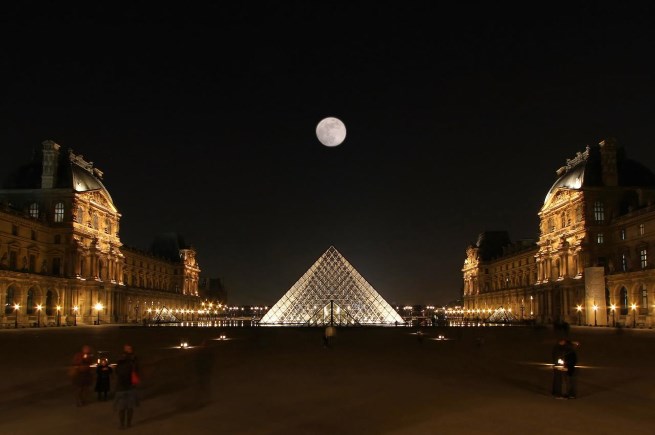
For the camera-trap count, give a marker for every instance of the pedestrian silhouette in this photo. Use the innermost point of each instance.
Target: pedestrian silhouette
(81, 374)
(103, 378)
(127, 377)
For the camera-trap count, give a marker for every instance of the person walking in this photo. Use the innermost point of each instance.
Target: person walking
(127, 377)
(81, 374)
(103, 379)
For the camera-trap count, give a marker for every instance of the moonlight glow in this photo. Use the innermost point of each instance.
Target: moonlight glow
(331, 132)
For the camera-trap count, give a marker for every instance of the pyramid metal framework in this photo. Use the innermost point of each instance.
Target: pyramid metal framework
(331, 292)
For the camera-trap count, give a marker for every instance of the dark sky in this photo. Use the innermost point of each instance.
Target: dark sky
(203, 119)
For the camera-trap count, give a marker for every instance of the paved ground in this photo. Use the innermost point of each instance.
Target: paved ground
(371, 381)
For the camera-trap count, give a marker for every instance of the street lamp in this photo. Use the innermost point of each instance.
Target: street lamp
(58, 315)
(613, 308)
(595, 309)
(634, 315)
(579, 309)
(98, 309)
(38, 315)
(531, 311)
(75, 310)
(16, 308)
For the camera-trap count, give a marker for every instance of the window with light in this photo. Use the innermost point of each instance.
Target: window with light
(643, 258)
(599, 212)
(59, 212)
(34, 210)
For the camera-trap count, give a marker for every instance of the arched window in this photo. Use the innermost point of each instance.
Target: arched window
(59, 212)
(623, 300)
(9, 300)
(34, 210)
(29, 309)
(49, 305)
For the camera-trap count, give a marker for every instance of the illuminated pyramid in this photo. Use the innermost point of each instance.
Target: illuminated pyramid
(331, 292)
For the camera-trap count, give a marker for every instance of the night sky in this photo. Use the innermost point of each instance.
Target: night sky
(203, 120)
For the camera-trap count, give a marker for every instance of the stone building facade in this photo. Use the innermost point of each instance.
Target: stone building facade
(593, 260)
(61, 257)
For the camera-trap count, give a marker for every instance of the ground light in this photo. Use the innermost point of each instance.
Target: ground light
(579, 310)
(613, 308)
(75, 310)
(58, 315)
(595, 309)
(634, 315)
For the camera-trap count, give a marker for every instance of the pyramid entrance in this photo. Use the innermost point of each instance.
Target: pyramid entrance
(331, 292)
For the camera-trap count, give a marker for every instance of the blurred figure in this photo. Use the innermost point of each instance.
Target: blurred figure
(81, 374)
(127, 377)
(330, 333)
(565, 359)
(103, 379)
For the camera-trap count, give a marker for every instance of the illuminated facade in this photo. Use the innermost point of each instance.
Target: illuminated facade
(331, 292)
(593, 261)
(61, 257)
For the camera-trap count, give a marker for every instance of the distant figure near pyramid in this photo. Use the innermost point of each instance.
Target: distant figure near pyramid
(331, 292)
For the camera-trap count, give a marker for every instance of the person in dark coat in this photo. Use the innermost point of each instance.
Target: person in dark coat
(125, 400)
(565, 360)
(103, 379)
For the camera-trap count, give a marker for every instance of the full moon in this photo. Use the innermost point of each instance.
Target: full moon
(331, 132)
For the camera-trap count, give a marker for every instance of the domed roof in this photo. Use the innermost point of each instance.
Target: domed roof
(73, 172)
(585, 170)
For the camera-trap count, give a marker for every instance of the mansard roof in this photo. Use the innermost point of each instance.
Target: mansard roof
(585, 170)
(73, 172)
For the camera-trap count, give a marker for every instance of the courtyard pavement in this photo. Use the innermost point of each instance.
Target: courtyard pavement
(486, 380)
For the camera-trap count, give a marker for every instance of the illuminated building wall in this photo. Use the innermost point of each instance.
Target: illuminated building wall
(60, 246)
(599, 216)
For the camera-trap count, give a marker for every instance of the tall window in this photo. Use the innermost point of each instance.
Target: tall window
(642, 229)
(49, 303)
(624, 262)
(80, 215)
(95, 220)
(56, 266)
(34, 210)
(551, 225)
(59, 212)
(599, 238)
(622, 233)
(578, 214)
(643, 258)
(644, 300)
(599, 212)
(9, 300)
(623, 300)
(29, 309)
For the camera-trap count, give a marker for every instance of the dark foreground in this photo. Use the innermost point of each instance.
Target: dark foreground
(370, 381)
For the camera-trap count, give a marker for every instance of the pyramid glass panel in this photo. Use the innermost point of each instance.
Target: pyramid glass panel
(331, 292)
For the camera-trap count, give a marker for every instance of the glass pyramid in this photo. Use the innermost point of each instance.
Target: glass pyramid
(331, 292)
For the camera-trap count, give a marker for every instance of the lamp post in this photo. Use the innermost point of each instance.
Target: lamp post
(58, 315)
(579, 310)
(595, 309)
(531, 310)
(98, 309)
(75, 310)
(38, 315)
(16, 308)
(613, 308)
(634, 315)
